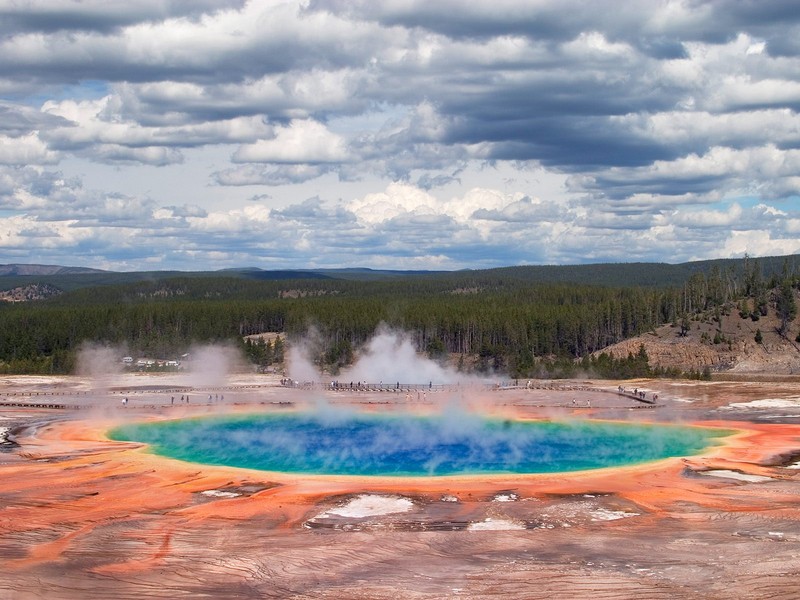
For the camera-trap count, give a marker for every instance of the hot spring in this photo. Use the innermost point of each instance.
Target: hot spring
(412, 446)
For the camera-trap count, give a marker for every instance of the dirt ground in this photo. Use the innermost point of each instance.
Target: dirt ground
(84, 517)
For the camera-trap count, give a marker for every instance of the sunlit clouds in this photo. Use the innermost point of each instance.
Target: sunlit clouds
(320, 133)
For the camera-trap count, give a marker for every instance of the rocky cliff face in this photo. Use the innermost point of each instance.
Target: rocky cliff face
(727, 346)
(34, 291)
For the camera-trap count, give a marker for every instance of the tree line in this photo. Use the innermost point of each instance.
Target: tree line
(501, 321)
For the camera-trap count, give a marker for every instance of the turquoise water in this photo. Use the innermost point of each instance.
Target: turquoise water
(405, 445)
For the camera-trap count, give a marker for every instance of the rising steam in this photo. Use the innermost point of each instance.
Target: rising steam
(101, 364)
(388, 357)
(98, 360)
(207, 365)
(300, 365)
(210, 365)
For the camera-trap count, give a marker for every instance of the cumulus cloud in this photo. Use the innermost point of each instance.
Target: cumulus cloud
(760, 243)
(302, 142)
(399, 123)
(271, 175)
(402, 227)
(94, 129)
(16, 119)
(98, 15)
(25, 150)
(767, 170)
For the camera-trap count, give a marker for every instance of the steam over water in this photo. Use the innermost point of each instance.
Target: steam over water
(341, 442)
(389, 356)
(406, 445)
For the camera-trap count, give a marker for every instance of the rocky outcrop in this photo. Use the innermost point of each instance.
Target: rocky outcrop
(686, 355)
(729, 346)
(26, 293)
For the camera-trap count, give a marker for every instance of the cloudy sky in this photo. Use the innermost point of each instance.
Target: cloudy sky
(403, 134)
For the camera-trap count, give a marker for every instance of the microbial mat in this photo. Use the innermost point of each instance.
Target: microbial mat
(329, 443)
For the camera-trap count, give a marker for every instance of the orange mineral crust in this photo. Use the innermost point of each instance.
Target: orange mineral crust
(83, 516)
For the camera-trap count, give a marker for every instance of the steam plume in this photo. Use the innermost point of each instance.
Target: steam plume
(388, 357)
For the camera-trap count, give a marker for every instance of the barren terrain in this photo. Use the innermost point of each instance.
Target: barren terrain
(727, 345)
(81, 516)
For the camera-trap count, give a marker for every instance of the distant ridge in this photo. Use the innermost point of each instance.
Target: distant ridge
(256, 273)
(21, 269)
(605, 274)
(354, 273)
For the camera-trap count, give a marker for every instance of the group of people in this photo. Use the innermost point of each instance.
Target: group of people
(641, 394)
(184, 398)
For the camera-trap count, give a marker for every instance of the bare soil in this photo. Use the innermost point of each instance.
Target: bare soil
(724, 346)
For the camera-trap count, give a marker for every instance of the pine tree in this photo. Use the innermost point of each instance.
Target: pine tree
(785, 305)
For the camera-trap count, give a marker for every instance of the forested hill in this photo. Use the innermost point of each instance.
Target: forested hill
(507, 320)
(39, 270)
(605, 274)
